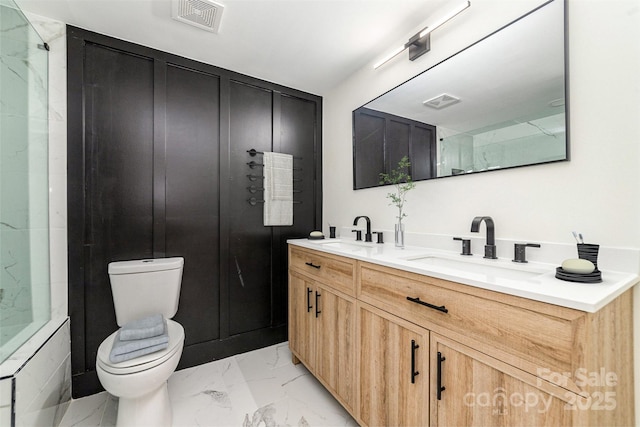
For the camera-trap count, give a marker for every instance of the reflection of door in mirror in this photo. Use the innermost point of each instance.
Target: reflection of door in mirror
(380, 140)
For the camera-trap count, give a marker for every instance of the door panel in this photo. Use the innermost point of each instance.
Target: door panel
(423, 152)
(381, 140)
(297, 136)
(249, 240)
(368, 157)
(398, 139)
(192, 196)
(118, 136)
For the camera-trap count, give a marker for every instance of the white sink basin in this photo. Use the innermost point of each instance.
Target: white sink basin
(488, 268)
(348, 246)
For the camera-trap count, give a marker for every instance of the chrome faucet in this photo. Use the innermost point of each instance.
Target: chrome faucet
(490, 247)
(367, 236)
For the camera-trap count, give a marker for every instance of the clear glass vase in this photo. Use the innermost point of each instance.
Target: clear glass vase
(399, 235)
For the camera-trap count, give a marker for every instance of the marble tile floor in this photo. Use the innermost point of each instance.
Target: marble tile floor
(261, 388)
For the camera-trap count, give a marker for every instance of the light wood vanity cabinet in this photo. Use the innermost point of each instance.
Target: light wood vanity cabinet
(393, 369)
(479, 390)
(322, 319)
(434, 352)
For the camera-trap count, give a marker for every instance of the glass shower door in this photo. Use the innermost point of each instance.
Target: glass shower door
(24, 189)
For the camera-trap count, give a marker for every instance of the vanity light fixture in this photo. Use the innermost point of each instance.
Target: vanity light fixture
(420, 43)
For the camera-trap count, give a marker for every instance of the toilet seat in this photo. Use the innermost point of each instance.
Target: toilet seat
(142, 363)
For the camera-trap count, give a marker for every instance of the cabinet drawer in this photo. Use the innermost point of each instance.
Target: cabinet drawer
(336, 272)
(543, 337)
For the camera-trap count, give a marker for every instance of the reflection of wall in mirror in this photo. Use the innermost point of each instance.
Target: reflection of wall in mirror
(455, 152)
(508, 145)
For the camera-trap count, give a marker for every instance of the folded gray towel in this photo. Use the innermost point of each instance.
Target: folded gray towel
(147, 327)
(137, 353)
(125, 350)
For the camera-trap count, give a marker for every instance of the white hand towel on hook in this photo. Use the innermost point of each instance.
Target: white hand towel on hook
(278, 189)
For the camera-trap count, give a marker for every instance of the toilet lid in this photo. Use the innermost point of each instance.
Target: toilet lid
(137, 364)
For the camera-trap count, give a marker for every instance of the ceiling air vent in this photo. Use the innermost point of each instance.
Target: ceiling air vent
(204, 14)
(441, 101)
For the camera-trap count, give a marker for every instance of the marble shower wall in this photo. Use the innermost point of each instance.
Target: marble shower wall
(40, 371)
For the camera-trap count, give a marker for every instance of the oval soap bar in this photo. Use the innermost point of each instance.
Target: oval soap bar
(316, 235)
(578, 266)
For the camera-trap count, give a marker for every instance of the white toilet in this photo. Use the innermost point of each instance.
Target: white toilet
(142, 288)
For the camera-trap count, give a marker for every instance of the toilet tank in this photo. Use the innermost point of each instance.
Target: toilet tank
(144, 287)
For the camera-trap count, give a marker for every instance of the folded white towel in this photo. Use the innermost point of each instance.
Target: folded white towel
(146, 327)
(281, 179)
(278, 189)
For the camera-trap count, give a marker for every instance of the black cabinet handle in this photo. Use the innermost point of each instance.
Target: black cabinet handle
(310, 264)
(317, 296)
(441, 308)
(414, 373)
(439, 387)
(309, 306)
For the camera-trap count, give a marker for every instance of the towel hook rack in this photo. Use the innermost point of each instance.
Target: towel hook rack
(254, 177)
(254, 165)
(253, 152)
(253, 201)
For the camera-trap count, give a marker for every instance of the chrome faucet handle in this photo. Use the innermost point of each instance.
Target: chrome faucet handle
(466, 246)
(519, 251)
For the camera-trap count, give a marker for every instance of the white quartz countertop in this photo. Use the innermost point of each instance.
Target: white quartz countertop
(533, 280)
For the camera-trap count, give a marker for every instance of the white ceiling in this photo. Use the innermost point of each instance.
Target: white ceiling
(311, 45)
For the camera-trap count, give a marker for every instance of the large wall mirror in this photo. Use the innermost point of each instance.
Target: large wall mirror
(499, 103)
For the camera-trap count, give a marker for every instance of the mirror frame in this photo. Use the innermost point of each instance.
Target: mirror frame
(566, 98)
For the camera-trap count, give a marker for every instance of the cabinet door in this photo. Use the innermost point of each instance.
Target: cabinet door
(302, 319)
(335, 345)
(477, 390)
(393, 362)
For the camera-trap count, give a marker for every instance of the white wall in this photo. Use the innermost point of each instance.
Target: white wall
(597, 192)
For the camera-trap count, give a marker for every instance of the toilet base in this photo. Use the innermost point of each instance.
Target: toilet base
(152, 409)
